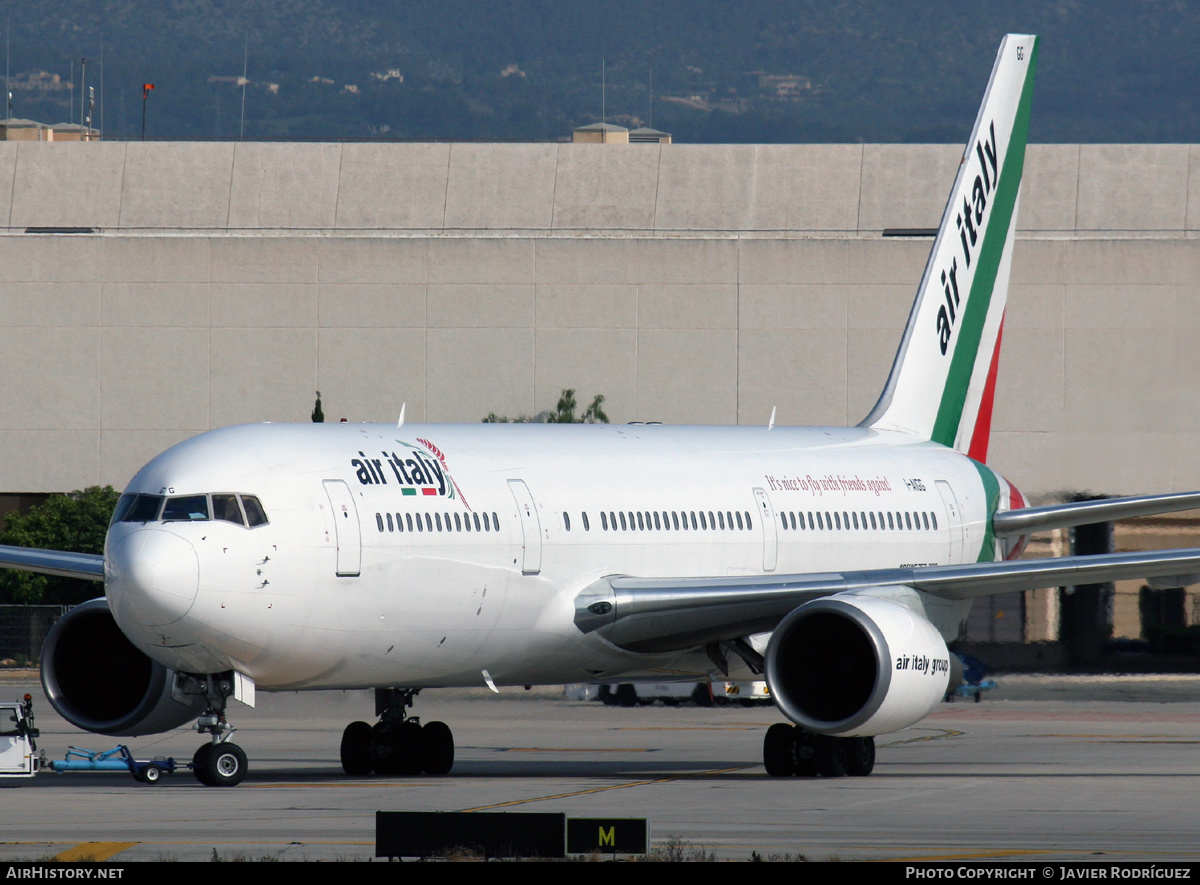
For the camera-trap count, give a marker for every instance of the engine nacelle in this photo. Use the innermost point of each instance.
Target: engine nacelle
(856, 665)
(97, 680)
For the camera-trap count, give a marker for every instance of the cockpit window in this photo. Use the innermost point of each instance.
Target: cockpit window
(225, 507)
(187, 507)
(255, 514)
(137, 508)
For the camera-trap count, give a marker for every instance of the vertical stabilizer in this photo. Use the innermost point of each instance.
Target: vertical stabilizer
(944, 376)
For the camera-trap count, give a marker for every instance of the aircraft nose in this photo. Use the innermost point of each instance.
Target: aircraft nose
(151, 577)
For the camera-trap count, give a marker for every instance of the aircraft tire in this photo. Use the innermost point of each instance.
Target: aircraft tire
(804, 751)
(408, 749)
(226, 765)
(829, 754)
(356, 749)
(437, 748)
(383, 759)
(860, 756)
(200, 764)
(779, 750)
(626, 695)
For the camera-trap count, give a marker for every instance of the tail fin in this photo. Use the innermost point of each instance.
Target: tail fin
(944, 376)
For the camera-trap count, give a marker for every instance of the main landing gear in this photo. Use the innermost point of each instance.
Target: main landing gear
(789, 749)
(219, 763)
(397, 743)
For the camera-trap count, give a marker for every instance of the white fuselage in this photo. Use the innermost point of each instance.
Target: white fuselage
(366, 575)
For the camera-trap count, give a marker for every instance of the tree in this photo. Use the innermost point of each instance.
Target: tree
(76, 522)
(318, 414)
(563, 413)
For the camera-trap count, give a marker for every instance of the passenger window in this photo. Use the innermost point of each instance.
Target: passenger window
(603, 521)
(925, 520)
(379, 521)
(457, 523)
(933, 517)
(399, 523)
(408, 519)
(191, 507)
(675, 519)
(567, 520)
(586, 527)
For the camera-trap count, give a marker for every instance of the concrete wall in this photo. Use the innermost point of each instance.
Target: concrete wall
(228, 282)
(570, 187)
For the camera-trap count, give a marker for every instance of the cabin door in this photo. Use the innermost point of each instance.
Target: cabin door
(953, 520)
(766, 516)
(345, 521)
(531, 527)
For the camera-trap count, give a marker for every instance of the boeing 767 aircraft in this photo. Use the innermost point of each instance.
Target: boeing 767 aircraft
(837, 561)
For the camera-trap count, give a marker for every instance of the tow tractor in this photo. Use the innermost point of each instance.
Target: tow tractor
(18, 739)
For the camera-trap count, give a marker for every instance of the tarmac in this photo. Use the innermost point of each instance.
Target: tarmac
(1052, 769)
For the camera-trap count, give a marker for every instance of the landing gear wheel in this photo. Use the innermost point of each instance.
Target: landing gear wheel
(804, 751)
(860, 756)
(226, 765)
(779, 756)
(829, 753)
(407, 748)
(626, 695)
(200, 764)
(382, 756)
(437, 748)
(356, 749)
(151, 774)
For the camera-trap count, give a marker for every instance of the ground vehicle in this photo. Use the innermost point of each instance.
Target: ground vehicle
(18, 739)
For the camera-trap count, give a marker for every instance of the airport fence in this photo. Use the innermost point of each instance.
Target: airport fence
(23, 629)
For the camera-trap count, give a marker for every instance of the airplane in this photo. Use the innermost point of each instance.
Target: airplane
(837, 561)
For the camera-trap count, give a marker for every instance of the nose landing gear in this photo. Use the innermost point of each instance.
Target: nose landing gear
(398, 744)
(219, 763)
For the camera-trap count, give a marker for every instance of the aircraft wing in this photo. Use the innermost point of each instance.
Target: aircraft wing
(667, 614)
(88, 566)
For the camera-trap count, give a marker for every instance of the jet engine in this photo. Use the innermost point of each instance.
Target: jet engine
(97, 680)
(852, 665)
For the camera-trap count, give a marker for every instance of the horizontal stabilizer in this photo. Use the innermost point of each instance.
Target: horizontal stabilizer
(1058, 516)
(88, 566)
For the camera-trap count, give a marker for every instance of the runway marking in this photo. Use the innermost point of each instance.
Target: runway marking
(661, 780)
(943, 733)
(92, 851)
(574, 750)
(970, 855)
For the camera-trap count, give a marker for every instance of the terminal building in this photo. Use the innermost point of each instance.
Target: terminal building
(153, 291)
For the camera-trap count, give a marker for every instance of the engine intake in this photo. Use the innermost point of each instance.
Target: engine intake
(99, 681)
(856, 665)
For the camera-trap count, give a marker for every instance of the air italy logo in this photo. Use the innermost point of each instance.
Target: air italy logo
(412, 470)
(969, 222)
